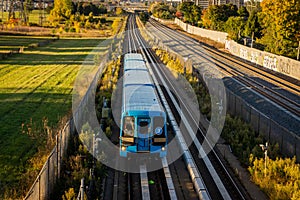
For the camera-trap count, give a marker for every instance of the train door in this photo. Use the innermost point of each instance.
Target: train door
(143, 144)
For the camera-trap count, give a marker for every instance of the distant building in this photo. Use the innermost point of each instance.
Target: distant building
(205, 3)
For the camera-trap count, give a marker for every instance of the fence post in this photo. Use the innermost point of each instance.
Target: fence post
(48, 173)
(39, 187)
(57, 158)
(82, 189)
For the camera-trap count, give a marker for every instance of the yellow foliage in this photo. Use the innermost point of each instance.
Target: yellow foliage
(119, 11)
(282, 180)
(69, 195)
(116, 25)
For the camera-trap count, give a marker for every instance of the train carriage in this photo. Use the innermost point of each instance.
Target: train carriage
(143, 121)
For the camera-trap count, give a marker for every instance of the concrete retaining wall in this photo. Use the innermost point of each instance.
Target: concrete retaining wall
(270, 61)
(213, 35)
(281, 64)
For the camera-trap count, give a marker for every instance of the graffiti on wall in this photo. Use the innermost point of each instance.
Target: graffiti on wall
(270, 63)
(284, 67)
(243, 53)
(227, 45)
(254, 57)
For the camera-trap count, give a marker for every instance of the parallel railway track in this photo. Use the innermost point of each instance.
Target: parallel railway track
(143, 185)
(235, 191)
(232, 67)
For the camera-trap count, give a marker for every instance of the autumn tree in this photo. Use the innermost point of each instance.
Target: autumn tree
(61, 11)
(281, 26)
(119, 11)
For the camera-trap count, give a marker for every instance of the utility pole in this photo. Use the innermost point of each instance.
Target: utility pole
(265, 149)
(252, 39)
(298, 51)
(2, 14)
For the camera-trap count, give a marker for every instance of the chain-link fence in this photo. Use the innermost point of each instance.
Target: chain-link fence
(44, 184)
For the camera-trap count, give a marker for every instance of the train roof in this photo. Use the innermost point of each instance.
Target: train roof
(137, 77)
(138, 88)
(141, 97)
(133, 56)
(135, 65)
(139, 92)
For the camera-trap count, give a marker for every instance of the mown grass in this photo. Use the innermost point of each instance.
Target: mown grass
(35, 94)
(14, 42)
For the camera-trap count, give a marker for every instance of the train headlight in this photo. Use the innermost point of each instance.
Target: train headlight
(123, 148)
(163, 148)
(158, 131)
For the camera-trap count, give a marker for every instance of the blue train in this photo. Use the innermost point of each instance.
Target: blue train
(143, 121)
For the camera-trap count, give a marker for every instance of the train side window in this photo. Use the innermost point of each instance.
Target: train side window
(128, 126)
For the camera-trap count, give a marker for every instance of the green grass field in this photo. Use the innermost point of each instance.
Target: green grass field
(33, 86)
(14, 42)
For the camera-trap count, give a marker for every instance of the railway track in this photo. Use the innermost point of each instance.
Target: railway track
(236, 192)
(143, 185)
(246, 76)
(220, 192)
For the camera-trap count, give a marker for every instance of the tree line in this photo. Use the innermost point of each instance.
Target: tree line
(273, 24)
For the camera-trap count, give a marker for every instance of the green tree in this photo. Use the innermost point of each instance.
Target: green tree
(281, 26)
(144, 16)
(242, 12)
(191, 12)
(161, 10)
(216, 16)
(253, 26)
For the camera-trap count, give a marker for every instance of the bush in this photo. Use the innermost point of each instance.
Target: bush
(102, 20)
(66, 29)
(281, 180)
(33, 24)
(72, 30)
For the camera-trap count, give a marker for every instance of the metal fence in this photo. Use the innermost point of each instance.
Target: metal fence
(50, 173)
(289, 142)
(44, 184)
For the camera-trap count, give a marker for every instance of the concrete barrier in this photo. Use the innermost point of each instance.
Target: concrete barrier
(213, 35)
(281, 64)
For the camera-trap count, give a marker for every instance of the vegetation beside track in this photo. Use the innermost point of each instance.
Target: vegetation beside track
(35, 94)
(80, 161)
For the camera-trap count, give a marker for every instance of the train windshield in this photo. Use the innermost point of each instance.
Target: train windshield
(128, 126)
(144, 125)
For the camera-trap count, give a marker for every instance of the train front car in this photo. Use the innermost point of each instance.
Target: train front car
(143, 123)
